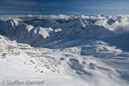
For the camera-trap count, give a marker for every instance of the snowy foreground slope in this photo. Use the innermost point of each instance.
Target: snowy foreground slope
(61, 50)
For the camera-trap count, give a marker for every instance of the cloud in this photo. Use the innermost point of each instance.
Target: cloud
(19, 12)
(20, 2)
(7, 12)
(73, 12)
(3, 12)
(106, 6)
(30, 12)
(31, 3)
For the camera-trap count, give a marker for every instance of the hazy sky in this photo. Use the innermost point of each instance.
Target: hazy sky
(70, 7)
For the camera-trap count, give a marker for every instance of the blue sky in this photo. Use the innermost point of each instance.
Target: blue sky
(69, 7)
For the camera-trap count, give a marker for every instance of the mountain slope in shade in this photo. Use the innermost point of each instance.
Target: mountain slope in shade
(53, 24)
(24, 33)
(21, 32)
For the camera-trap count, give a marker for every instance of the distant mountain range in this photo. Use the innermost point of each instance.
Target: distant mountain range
(65, 50)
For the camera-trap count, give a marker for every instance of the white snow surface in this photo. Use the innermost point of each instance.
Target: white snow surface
(63, 50)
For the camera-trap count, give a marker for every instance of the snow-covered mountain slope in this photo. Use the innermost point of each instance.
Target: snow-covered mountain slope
(53, 24)
(65, 50)
(22, 62)
(15, 29)
(118, 24)
(13, 51)
(94, 64)
(21, 32)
